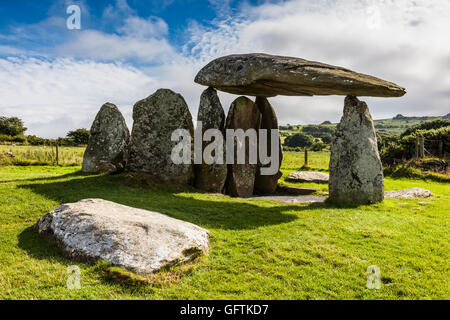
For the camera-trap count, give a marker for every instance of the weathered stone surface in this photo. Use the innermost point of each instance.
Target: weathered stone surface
(106, 150)
(243, 114)
(356, 173)
(408, 193)
(212, 177)
(296, 190)
(135, 239)
(267, 184)
(155, 118)
(293, 199)
(313, 177)
(258, 74)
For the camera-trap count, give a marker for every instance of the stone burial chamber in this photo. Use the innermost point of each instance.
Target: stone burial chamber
(355, 168)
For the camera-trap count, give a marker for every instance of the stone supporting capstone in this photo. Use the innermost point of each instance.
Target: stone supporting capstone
(356, 173)
(243, 114)
(267, 184)
(211, 177)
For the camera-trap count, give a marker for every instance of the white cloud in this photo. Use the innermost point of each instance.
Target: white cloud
(91, 44)
(404, 42)
(55, 96)
(144, 28)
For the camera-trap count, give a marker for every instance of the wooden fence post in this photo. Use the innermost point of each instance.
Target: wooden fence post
(57, 154)
(422, 147)
(306, 157)
(441, 148)
(416, 148)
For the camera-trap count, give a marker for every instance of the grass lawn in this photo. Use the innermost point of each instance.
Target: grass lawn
(259, 249)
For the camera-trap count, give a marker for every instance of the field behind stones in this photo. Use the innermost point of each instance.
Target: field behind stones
(40, 155)
(259, 249)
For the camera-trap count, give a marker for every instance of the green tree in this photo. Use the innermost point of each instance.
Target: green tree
(299, 140)
(79, 136)
(11, 126)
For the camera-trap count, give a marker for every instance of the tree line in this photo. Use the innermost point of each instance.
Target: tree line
(12, 130)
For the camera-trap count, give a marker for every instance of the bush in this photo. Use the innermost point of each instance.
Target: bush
(428, 125)
(37, 141)
(318, 146)
(17, 139)
(300, 139)
(318, 131)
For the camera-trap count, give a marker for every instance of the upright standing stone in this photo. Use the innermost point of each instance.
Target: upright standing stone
(267, 184)
(243, 114)
(356, 173)
(155, 119)
(108, 141)
(211, 177)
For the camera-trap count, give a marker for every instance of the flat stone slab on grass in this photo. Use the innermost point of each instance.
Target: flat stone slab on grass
(314, 177)
(135, 239)
(296, 190)
(293, 199)
(408, 194)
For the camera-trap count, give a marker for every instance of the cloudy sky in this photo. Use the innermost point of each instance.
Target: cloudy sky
(56, 79)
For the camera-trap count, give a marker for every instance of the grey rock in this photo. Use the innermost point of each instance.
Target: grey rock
(243, 114)
(408, 193)
(312, 177)
(155, 118)
(356, 173)
(293, 199)
(258, 74)
(296, 190)
(267, 184)
(212, 177)
(135, 239)
(106, 149)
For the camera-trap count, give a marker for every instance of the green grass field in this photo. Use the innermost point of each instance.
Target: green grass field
(40, 155)
(259, 249)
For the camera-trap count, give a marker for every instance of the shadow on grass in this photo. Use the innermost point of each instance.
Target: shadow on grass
(47, 178)
(219, 212)
(38, 247)
(210, 212)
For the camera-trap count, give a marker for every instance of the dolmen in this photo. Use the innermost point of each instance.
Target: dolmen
(356, 173)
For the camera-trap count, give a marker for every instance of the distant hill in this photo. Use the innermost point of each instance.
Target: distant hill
(396, 125)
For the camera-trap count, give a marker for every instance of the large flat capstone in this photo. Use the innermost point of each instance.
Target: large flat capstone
(135, 239)
(259, 74)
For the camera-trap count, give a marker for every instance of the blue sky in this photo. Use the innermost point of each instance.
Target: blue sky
(56, 79)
